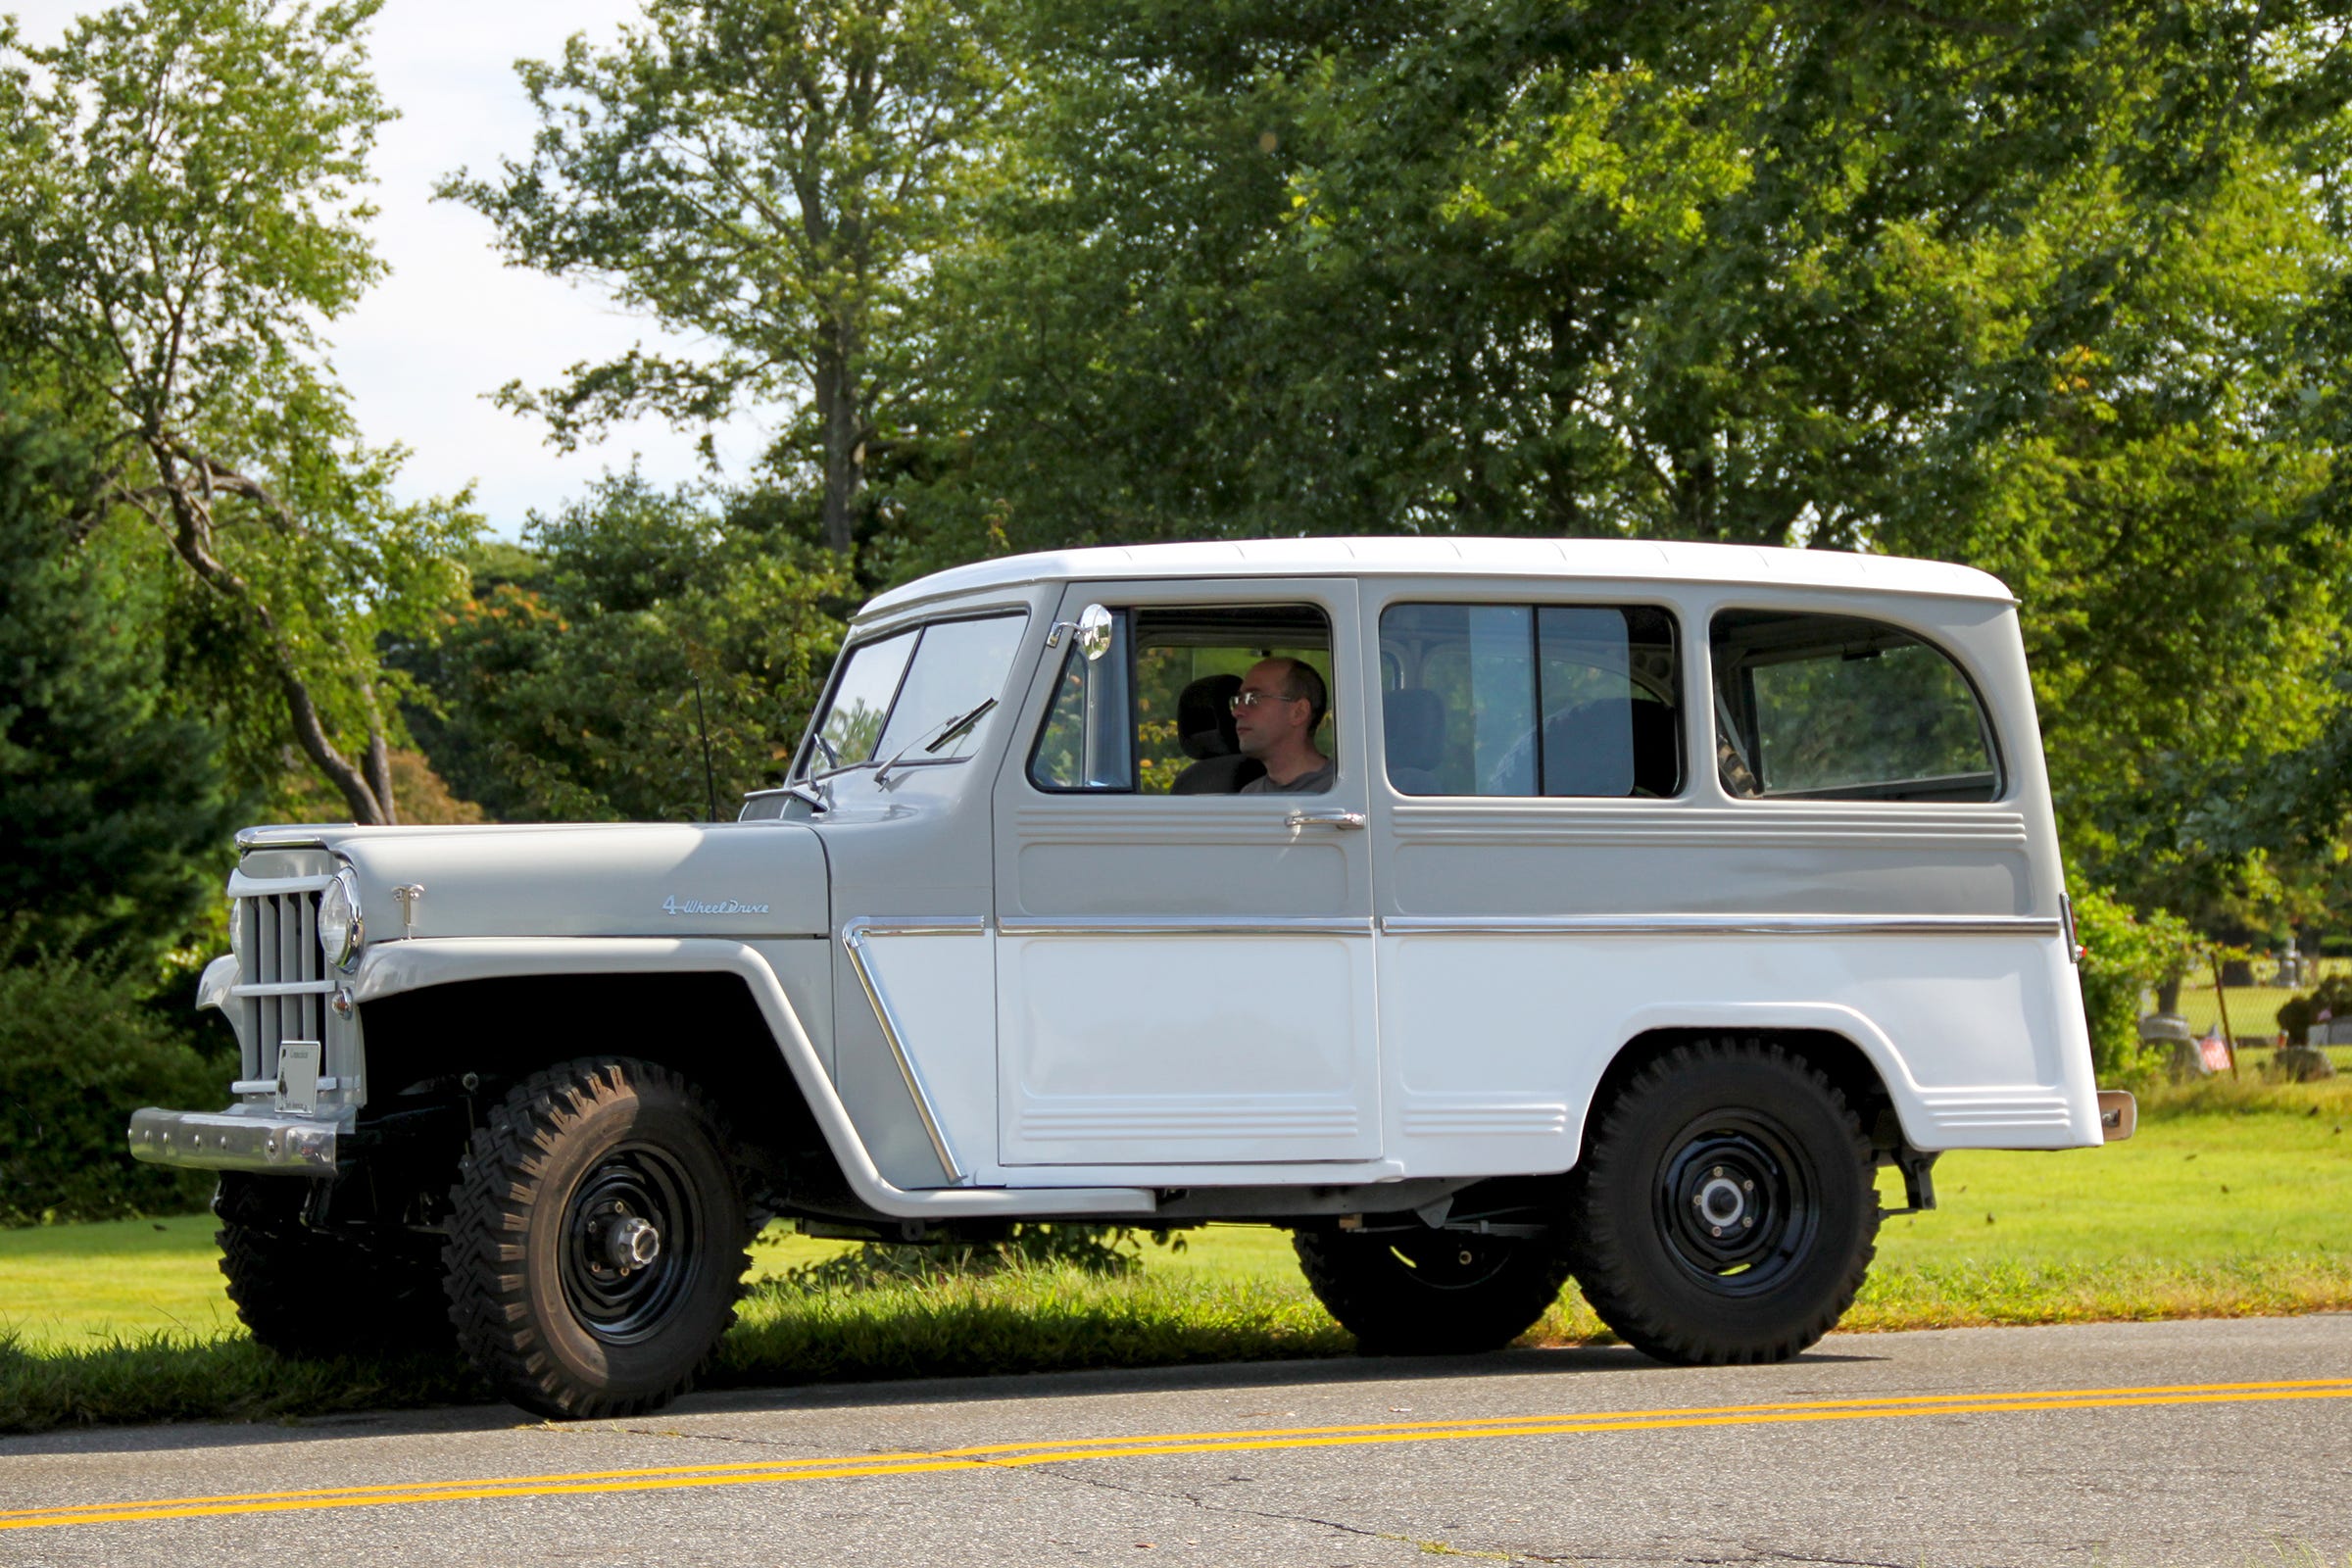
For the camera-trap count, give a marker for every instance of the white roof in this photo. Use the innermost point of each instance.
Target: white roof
(1611, 560)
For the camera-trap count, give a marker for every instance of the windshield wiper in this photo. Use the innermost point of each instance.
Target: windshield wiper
(943, 733)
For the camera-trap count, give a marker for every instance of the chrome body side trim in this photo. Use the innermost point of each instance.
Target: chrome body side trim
(1724, 925)
(230, 1140)
(854, 935)
(1186, 925)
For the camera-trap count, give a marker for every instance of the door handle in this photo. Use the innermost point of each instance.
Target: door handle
(1339, 821)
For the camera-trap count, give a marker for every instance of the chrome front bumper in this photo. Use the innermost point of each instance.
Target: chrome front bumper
(235, 1140)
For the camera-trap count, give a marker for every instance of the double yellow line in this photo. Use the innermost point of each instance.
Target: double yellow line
(770, 1472)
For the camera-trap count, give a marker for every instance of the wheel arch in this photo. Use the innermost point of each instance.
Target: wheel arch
(503, 1010)
(1847, 1048)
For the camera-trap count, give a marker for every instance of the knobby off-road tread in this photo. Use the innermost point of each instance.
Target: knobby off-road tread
(1374, 1298)
(1613, 1283)
(308, 1294)
(491, 1207)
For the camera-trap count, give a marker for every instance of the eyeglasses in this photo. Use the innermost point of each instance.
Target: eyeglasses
(1241, 700)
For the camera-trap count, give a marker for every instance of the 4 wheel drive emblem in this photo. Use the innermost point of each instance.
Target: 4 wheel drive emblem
(673, 905)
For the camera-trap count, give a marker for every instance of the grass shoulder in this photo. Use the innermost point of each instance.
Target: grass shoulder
(2225, 1205)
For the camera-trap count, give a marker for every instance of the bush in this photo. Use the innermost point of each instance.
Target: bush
(2332, 996)
(2127, 955)
(77, 1055)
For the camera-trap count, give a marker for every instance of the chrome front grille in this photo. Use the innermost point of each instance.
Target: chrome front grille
(284, 994)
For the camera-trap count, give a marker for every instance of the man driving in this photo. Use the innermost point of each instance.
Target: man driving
(1275, 716)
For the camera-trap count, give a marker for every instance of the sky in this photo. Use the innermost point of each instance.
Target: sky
(453, 324)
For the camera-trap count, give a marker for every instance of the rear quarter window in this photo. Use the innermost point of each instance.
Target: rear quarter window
(1815, 706)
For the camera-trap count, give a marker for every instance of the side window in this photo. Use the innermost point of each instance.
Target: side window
(1837, 707)
(1086, 742)
(1564, 700)
(1154, 715)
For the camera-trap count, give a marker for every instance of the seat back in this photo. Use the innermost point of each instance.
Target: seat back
(1413, 722)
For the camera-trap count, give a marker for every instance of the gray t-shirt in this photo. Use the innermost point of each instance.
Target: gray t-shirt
(1314, 783)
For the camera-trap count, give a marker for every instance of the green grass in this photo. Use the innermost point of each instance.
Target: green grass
(2227, 1203)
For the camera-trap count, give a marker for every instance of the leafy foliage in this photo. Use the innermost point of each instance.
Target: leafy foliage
(2126, 954)
(2052, 288)
(568, 690)
(77, 1055)
(183, 211)
(765, 175)
(113, 802)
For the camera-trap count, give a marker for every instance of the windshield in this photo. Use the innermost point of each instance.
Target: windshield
(961, 665)
(852, 726)
(903, 690)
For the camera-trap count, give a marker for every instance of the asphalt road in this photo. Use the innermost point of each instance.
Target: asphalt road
(2171, 1444)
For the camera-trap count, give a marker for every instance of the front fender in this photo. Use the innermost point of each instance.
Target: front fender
(399, 967)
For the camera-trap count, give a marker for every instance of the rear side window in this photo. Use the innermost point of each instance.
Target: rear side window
(1530, 700)
(1837, 707)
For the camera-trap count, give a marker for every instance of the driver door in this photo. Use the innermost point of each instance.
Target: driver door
(1183, 979)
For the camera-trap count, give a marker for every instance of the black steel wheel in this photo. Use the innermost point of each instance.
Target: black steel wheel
(1431, 1293)
(1724, 1210)
(596, 1240)
(313, 1293)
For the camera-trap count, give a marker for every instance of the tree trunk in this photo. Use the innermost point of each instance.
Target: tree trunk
(844, 448)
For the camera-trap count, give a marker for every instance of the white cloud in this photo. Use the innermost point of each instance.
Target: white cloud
(453, 322)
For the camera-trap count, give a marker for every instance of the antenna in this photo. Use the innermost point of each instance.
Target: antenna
(703, 727)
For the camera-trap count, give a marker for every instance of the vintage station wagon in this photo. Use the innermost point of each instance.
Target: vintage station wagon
(1483, 911)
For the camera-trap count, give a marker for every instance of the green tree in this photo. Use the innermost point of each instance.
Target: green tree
(766, 176)
(183, 211)
(2053, 287)
(568, 688)
(113, 802)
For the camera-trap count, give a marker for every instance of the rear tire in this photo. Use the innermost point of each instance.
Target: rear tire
(1726, 1210)
(596, 1241)
(1429, 1292)
(310, 1293)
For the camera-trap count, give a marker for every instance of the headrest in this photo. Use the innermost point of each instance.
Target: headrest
(1414, 719)
(1205, 716)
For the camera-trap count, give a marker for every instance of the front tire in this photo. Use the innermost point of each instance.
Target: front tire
(1726, 1210)
(596, 1240)
(310, 1294)
(1431, 1293)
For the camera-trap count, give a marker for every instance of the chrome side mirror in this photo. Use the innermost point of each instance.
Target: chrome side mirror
(1092, 627)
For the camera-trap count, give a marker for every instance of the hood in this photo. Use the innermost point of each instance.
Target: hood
(731, 879)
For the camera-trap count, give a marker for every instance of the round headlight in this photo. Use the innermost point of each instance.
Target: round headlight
(341, 929)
